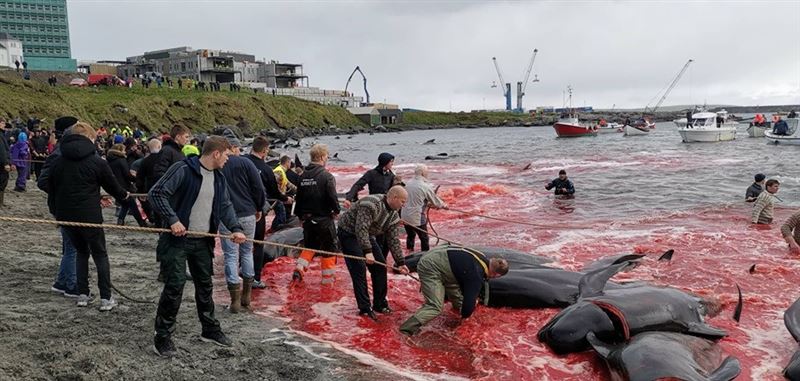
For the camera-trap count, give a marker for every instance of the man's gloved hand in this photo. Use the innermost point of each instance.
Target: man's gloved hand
(403, 269)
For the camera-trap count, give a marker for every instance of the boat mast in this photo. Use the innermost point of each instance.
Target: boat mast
(671, 86)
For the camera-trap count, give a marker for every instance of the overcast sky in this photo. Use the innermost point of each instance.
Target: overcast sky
(437, 54)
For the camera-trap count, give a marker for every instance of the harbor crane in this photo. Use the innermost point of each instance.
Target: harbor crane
(357, 69)
(521, 86)
(669, 89)
(506, 86)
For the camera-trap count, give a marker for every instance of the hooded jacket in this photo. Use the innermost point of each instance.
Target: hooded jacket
(378, 181)
(244, 186)
(119, 167)
(75, 180)
(316, 195)
(170, 154)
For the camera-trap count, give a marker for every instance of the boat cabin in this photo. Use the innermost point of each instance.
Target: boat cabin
(704, 119)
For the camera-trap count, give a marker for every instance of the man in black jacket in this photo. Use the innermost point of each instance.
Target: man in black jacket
(66, 279)
(378, 179)
(77, 175)
(171, 150)
(192, 195)
(258, 154)
(118, 162)
(5, 162)
(146, 177)
(563, 186)
(755, 188)
(317, 206)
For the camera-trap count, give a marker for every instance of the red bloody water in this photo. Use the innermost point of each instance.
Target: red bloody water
(714, 245)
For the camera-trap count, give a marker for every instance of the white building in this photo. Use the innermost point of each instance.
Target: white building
(10, 51)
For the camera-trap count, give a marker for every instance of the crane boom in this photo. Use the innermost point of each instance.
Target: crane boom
(671, 86)
(528, 72)
(499, 75)
(357, 69)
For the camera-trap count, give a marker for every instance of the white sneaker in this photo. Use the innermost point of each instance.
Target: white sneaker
(107, 304)
(83, 300)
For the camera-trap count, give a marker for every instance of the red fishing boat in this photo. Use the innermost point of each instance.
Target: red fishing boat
(568, 126)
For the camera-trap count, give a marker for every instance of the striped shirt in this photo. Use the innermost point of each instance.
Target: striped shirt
(792, 227)
(762, 210)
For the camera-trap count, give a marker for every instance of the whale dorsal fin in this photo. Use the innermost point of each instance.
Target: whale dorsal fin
(727, 371)
(593, 282)
(599, 346)
(667, 256)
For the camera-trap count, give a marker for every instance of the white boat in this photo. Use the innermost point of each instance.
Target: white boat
(793, 138)
(636, 130)
(754, 131)
(610, 127)
(680, 123)
(709, 127)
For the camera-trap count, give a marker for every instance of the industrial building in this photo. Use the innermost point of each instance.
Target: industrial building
(43, 28)
(10, 50)
(209, 65)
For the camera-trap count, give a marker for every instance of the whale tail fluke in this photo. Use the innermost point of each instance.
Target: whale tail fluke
(737, 314)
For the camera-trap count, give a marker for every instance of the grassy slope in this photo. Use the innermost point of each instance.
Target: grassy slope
(158, 109)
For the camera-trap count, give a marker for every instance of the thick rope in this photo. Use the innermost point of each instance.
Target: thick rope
(188, 233)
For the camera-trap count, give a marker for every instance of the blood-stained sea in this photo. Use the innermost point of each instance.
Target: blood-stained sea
(642, 194)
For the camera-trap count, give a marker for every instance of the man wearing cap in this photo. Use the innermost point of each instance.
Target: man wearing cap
(66, 280)
(378, 179)
(563, 186)
(755, 189)
(248, 197)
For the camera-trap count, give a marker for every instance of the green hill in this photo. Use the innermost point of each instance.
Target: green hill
(156, 109)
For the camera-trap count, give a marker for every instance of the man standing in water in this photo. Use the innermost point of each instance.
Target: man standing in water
(755, 188)
(762, 210)
(562, 185)
(791, 232)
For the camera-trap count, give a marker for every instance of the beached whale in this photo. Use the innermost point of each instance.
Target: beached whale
(516, 259)
(666, 356)
(619, 313)
(791, 318)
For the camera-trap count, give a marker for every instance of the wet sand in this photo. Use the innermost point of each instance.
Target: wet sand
(44, 336)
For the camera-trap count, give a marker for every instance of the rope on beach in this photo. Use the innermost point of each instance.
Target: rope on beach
(541, 226)
(188, 233)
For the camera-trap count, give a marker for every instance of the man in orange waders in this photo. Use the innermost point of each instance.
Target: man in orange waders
(317, 206)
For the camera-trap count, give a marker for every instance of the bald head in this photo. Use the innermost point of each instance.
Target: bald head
(396, 197)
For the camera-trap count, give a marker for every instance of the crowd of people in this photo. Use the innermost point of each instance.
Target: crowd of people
(209, 186)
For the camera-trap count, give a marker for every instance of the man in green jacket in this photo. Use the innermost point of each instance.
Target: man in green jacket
(456, 272)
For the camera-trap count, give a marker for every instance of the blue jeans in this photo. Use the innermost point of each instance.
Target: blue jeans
(239, 254)
(67, 279)
(280, 215)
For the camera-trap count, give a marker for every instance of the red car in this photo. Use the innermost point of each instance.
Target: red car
(105, 79)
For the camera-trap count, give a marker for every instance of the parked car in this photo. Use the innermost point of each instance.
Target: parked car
(80, 82)
(105, 79)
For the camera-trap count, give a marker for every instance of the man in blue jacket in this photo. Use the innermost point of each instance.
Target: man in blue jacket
(192, 195)
(455, 272)
(248, 197)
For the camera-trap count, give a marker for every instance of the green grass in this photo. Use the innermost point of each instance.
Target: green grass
(159, 109)
(489, 118)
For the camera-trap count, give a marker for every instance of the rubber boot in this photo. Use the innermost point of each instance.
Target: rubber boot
(236, 298)
(247, 289)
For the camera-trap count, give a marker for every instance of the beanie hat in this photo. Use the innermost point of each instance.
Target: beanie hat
(64, 122)
(384, 159)
(190, 150)
(562, 172)
(22, 137)
(118, 139)
(231, 137)
(760, 177)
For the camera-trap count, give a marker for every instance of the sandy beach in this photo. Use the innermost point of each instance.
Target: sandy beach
(44, 336)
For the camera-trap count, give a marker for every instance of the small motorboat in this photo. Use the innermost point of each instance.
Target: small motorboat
(755, 131)
(709, 127)
(636, 130)
(791, 138)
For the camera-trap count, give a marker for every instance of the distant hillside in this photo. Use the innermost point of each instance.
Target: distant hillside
(159, 109)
